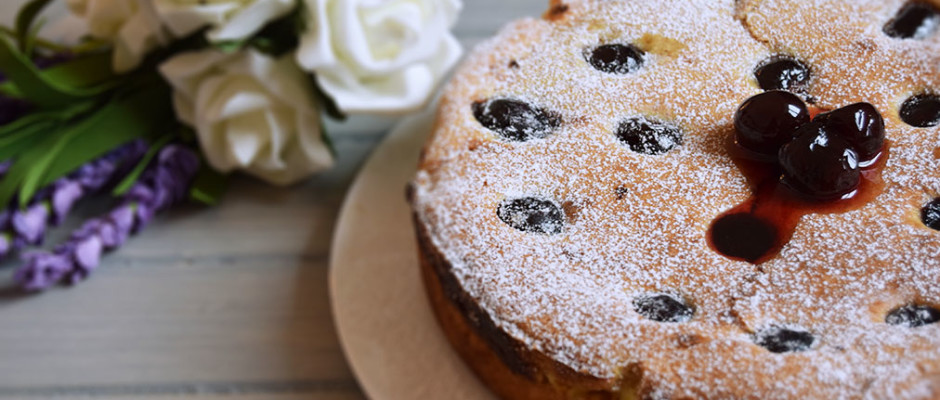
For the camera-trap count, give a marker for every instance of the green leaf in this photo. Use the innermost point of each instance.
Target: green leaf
(29, 42)
(65, 147)
(24, 22)
(92, 71)
(33, 85)
(20, 141)
(140, 115)
(132, 176)
(38, 167)
(22, 166)
(25, 121)
(208, 186)
(56, 115)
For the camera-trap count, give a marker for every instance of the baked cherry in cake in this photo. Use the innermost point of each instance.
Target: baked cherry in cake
(530, 214)
(917, 19)
(784, 340)
(922, 110)
(647, 136)
(783, 73)
(515, 120)
(663, 308)
(930, 214)
(616, 58)
(913, 316)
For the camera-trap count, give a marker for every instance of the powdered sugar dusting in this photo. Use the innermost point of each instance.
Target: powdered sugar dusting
(636, 223)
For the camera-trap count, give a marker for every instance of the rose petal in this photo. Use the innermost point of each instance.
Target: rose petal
(245, 110)
(251, 19)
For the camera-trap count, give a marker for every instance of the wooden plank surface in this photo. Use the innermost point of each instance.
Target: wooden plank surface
(222, 303)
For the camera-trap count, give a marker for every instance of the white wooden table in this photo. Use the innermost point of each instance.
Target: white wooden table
(223, 303)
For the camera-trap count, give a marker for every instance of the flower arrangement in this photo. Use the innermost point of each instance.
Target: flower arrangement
(162, 99)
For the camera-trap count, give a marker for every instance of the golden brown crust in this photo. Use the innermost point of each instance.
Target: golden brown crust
(510, 369)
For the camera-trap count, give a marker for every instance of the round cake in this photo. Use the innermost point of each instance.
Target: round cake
(572, 205)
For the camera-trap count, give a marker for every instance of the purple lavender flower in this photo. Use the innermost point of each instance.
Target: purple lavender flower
(165, 183)
(26, 227)
(45, 269)
(30, 224)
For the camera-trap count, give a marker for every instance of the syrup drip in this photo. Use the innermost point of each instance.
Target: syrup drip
(757, 229)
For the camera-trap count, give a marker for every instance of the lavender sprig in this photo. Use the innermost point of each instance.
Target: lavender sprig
(163, 184)
(20, 228)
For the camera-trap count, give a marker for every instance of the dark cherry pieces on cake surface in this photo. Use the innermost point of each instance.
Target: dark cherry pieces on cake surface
(648, 136)
(783, 73)
(913, 316)
(830, 163)
(921, 111)
(515, 120)
(767, 121)
(616, 58)
(930, 214)
(531, 214)
(778, 339)
(663, 308)
(916, 20)
(819, 164)
(861, 125)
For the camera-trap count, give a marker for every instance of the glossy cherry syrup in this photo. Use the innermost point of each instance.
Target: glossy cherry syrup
(757, 229)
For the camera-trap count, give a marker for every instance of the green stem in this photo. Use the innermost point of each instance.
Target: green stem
(88, 46)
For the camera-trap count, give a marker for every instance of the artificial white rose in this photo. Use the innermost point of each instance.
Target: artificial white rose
(133, 26)
(378, 55)
(251, 112)
(228, 19)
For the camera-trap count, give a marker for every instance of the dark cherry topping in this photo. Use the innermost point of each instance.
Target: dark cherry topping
(616, 58)
(921, 111)
(743, 236)
(913, 316)
(783, 73)
(765, 122)
(816, 170)
(530, 214)
(915, 20)
(819, 164)
(514, 120)
(930, 214)
(784, 340)
(663, 308)
(861, 125)
(648, 136)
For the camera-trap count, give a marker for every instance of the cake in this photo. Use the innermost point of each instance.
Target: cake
(571, 201)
